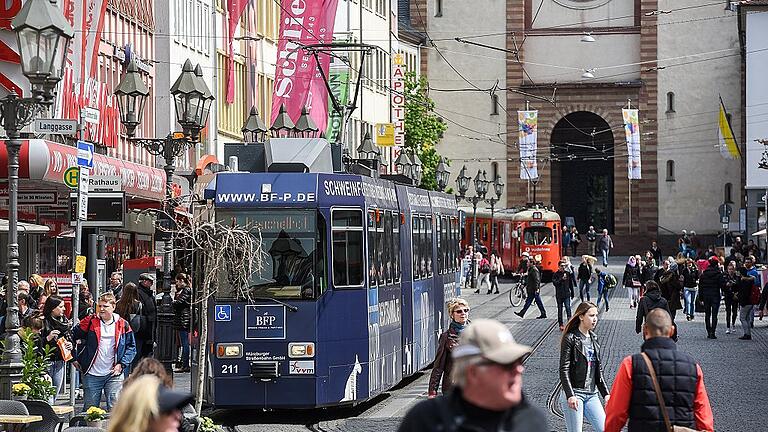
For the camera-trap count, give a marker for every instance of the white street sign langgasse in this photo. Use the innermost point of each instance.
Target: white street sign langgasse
(55, 126)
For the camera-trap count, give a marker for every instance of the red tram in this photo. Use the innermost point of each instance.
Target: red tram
(535, 230)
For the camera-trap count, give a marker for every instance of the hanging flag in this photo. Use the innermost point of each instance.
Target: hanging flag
(298, 82)
(87, 19)
(729, 149)
(632, 130)
(339, 81)
(527, 122)
(235, 9)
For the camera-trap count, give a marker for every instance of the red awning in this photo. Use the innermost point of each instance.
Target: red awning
(46, 160)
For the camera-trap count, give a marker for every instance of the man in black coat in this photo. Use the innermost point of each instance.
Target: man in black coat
(563, 282)
(145, 335)
(532, 290)
(488, 394)
(650, 301)
(711, 283)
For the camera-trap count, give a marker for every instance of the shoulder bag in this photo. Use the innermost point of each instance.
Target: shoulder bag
(660, 398)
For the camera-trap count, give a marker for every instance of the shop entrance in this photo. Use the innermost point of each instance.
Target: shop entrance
(582, 170)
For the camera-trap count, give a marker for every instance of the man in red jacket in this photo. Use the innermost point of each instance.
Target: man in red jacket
(633, 398)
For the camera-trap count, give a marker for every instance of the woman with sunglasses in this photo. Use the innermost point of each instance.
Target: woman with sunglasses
(581, 374)
(458, 309)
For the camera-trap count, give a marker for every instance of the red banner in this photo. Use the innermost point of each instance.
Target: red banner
(298, 82)
(235, 10)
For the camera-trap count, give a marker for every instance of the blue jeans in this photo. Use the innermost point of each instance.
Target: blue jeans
(530, 300)
(93, 386)
(584, 286)
(747, 317)
(690, 301)
(563, 304)
(605, 257)
(184, 339)
(589, 406)
(57, 372)
(602, 293)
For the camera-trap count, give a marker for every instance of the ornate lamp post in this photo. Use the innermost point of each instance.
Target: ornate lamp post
(498, 187)
(254, 130)
(283, 126)
(305, 127)
(481, 188)
(368, 153)
(418, 170)
(442, 174)
(404, 165)
(43, 35)
(192, 100)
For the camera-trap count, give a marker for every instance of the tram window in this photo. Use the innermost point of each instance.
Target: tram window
(388, 261)
(429, 249)
(396, 247)
(415, 245)
(438, 222)
(373, 268)
(347, 228)
(380, 251)
(537, 236)
(444, 248)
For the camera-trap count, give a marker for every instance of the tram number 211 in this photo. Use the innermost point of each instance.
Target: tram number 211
(229, 369)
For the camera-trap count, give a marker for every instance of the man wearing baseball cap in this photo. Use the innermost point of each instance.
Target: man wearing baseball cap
(488, 393)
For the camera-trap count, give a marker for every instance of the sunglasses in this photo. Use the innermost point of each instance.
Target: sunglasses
(461, 310)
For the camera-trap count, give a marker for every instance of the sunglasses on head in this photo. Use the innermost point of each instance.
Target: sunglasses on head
(465, 310)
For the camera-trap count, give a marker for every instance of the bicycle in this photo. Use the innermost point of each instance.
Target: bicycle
(517, 293)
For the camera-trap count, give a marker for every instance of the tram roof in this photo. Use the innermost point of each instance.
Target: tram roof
(248, 190)
(513, 214)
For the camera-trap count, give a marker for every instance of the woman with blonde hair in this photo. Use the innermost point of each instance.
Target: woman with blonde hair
(50, 289)
(36, 283)
(145, 405)
(458, 310)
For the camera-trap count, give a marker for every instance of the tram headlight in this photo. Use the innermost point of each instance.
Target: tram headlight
(229, 350)
(301, 349)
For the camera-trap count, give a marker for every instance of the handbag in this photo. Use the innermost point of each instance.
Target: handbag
(636, 284)
(660, 398)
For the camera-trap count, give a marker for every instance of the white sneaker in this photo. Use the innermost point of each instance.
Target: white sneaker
(728, 331)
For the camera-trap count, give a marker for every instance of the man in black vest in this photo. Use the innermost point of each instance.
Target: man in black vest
(633, 398)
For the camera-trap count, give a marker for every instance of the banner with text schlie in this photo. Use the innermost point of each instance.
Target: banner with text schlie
(298, 82)
(527, 122)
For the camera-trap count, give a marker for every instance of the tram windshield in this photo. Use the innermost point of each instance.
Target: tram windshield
(537, 236)
(292, 266)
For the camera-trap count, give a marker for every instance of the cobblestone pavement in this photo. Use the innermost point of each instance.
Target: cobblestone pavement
(730, 367)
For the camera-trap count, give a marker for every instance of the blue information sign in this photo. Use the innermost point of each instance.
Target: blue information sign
(84, 154)
(265, 322)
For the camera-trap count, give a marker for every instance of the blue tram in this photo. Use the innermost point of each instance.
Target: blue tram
(351, 296)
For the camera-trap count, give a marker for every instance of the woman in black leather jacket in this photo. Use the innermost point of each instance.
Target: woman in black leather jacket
(581, 374)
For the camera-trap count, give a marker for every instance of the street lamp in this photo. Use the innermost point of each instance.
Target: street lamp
(305, 126)
(254, 130)
(442, 174)
(481, 188)
(498, 187)
(418, 169)
(131, 95)
(404, 165)
(283, 126)
(43, 36)
(193, 101)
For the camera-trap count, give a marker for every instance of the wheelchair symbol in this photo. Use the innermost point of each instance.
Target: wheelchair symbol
(223, 313)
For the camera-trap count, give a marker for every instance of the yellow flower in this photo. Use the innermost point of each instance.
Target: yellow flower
(95, 413)
(20, 389)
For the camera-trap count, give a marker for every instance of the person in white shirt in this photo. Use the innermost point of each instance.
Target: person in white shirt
(108, 348)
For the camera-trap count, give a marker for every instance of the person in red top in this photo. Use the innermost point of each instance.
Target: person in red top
(633, 399)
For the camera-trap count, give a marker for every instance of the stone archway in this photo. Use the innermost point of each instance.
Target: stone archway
(582, 148)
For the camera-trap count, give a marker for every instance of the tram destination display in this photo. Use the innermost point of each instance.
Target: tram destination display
(105, 209)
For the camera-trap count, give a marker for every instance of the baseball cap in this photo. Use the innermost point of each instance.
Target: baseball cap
(147, 276)
(169, 400)
(491, 340)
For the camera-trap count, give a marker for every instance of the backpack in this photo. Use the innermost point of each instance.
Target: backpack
(610, 280)
(485, 267)
(134, 319)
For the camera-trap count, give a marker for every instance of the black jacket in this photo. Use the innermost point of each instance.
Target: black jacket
(631, 274)
(669, 282)
(449, 413)
(563, 282)
(711, 282)
(678, 378)
(744, 289)
(148, 315)
(650, 301)
(690, 276)
(182, 313)
(573, 363)
(533, 281)
(585, 271)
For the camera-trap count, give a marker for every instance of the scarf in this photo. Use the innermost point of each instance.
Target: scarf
(458, 328)
(61, 324)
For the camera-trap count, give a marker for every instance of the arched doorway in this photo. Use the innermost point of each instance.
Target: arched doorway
(582, 170)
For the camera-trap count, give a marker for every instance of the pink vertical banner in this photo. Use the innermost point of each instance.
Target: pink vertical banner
(298, 81)
(235, 9)
(87, 18)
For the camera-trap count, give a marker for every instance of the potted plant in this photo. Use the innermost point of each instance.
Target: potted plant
(36, 364)
(94, 416)
(20, 391)
(207, 425)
